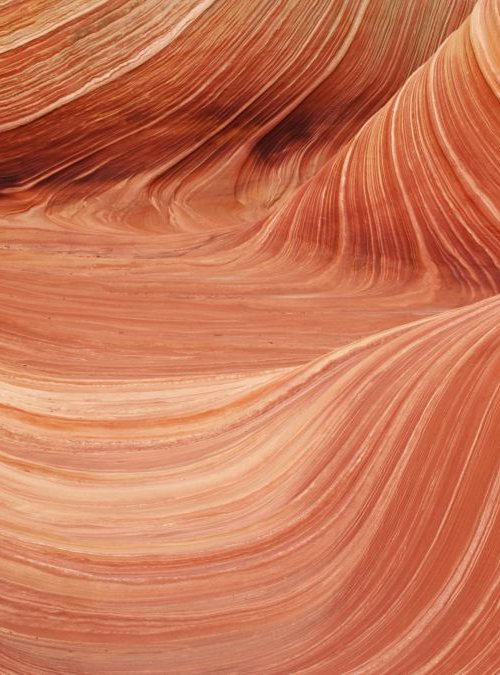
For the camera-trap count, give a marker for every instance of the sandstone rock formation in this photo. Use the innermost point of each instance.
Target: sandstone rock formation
(249, 336)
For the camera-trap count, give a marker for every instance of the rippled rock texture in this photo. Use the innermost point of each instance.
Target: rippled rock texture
(249, 336)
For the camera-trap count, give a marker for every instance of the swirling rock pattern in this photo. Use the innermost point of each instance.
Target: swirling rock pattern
(249, 336)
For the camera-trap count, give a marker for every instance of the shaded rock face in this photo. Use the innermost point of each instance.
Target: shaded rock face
(249, 336)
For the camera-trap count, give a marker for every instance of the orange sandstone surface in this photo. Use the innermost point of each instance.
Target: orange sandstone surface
(249, 337)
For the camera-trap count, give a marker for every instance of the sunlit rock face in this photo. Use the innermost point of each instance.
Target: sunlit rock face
(249, 336)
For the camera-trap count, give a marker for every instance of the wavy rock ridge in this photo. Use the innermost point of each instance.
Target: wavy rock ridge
(249, 336)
